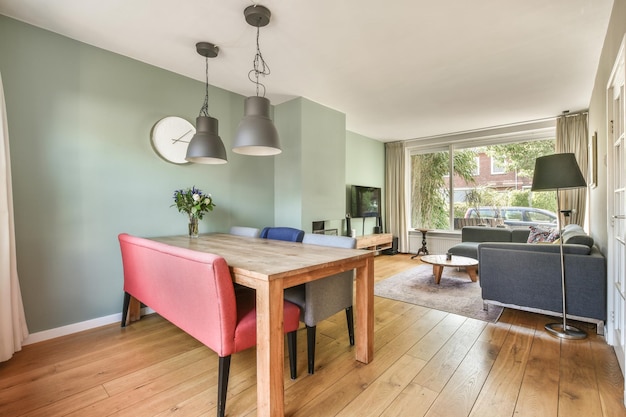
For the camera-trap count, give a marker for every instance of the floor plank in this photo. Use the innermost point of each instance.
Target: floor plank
(500, 391)
(539, 392)
(426, 363)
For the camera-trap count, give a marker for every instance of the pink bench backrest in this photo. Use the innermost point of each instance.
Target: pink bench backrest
(192, 290)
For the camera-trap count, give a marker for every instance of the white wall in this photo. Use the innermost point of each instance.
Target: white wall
(598, 123)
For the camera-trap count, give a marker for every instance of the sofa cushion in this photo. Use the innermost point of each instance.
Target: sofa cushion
(540, 234)
(485, 234)
(468, 249)
(580, 240)
(520, 235)
(574, 234)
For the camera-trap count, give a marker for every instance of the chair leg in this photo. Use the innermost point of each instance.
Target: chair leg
(310, 346)
(292, 347)
(125, 308)
(222, 385)
(350, 318)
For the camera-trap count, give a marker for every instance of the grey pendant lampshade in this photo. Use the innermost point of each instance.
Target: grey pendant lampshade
(206, 147)
(256, 134)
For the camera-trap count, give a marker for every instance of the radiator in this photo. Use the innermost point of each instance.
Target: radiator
(441, 244)
(437, 243)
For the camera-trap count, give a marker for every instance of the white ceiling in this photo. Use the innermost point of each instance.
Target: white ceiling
(399, 69)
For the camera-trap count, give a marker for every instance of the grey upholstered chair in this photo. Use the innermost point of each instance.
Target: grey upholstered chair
(320, 299)
(245, 231)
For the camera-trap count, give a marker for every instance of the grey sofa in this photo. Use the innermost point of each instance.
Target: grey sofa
(527, 276)
(472, 236)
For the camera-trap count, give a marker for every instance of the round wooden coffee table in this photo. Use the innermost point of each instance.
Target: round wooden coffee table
(439, 262)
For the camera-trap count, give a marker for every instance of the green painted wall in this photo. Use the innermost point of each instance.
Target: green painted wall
(323, 163)
(288, 175)
(310, 173)
(83, 169)
(365, 165)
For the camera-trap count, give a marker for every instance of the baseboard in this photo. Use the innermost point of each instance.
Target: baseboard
(77, 327)
(599, 323)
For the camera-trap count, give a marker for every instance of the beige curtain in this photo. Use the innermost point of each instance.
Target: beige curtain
(572, 136)
(395, 204)
(13, 328)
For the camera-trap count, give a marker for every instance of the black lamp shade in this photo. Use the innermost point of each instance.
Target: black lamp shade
(206, 146)
(256, 134)
(556, 172)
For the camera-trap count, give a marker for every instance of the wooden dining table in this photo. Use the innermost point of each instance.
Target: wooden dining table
(270, 266)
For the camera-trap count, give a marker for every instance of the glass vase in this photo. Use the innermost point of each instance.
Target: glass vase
(193, 226)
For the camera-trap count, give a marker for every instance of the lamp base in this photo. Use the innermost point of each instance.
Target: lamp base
(570, 332)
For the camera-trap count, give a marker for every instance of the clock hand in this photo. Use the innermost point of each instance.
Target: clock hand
(180, 137)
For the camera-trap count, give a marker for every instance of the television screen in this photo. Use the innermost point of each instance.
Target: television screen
(365, 201)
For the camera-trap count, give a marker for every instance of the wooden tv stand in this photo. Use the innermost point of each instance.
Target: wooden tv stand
(376, 242)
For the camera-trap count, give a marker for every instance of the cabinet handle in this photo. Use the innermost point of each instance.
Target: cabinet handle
(619, 216)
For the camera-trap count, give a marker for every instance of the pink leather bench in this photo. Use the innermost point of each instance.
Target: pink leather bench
(194, 291)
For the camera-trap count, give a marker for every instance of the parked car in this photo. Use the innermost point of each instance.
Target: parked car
(514, 216)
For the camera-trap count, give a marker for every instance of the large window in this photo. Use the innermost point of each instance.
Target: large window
(489, 185)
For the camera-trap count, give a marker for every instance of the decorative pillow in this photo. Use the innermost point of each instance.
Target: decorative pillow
(540, 234)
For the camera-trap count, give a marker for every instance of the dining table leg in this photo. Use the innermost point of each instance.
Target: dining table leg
(270, 349)
(365, 311)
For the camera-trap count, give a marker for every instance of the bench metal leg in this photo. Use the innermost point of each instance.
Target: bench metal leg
(222, 385)
(350, 319)
(125, 306)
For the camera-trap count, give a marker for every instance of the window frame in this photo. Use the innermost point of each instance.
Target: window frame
(521, 132)
(495, 168)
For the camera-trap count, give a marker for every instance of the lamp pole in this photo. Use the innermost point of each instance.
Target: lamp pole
(557, 172)
(563, 330)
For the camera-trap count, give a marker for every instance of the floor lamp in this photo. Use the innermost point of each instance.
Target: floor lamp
(558, 172)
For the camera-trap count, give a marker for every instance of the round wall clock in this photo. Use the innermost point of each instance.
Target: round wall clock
(170, 138)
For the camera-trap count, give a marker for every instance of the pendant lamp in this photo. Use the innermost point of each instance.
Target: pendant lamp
(206, 146)
(256, 133)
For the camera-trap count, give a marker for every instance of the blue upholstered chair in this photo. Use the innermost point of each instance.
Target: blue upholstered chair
(245, 231)
(288, 234)
(320, 299)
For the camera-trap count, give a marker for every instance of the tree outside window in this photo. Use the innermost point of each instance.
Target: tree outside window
(477, 194)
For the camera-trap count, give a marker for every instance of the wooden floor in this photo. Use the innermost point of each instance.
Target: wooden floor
(426, 363)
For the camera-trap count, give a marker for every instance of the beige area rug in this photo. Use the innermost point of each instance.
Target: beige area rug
(455, 294)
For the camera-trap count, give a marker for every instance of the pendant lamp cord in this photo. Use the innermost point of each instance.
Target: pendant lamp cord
(260, 67)
(204, 110)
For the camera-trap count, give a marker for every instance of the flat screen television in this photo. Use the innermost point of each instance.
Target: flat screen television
(365, 201)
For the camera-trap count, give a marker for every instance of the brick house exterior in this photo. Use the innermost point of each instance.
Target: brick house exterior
(499, 181)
